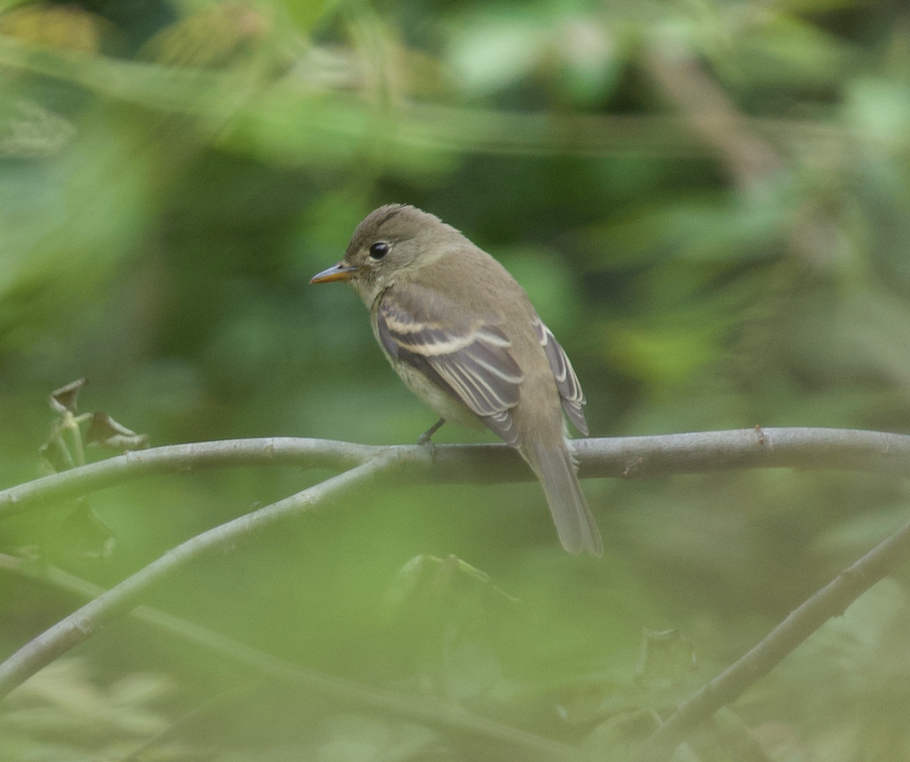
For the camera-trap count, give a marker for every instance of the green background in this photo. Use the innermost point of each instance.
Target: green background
(707, 203)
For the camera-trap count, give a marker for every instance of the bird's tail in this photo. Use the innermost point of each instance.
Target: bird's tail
(574, 522)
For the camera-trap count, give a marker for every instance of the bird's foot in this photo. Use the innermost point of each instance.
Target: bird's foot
(425, 439)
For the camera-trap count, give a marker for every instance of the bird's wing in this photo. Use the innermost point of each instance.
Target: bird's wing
(468, 357)
(566, 381)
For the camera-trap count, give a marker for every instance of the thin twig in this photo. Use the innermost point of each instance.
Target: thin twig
(831, 600)
(181, 459)
(437, 715)
(120, 599)
(749, 157)
(625, 457)
(711, 114)
(617, 457)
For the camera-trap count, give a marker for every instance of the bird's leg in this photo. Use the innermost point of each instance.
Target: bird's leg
(424, 439)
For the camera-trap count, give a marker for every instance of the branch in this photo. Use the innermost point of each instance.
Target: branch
(81, 624)
(424, 711)
(621, 457)
(749, 158)
(183, 458)
(711, 114)
(616, 457)
(832, 600)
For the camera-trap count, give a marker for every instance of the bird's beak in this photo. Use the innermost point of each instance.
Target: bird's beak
(341, 271)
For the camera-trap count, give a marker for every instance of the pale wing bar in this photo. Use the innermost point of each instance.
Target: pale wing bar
(472, 363)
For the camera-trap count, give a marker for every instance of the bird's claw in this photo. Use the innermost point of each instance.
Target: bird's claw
(425, 439)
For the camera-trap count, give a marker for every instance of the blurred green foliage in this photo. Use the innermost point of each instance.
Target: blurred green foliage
(708, 202)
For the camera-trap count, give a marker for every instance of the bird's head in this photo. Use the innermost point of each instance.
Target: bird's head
(390, 244)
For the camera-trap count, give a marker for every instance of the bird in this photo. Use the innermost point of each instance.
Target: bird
(464, 337)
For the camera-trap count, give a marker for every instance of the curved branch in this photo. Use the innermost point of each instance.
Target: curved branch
(616, 457)
(183, 458)
(438, 715)
(832, 600)
(81, 624)
(622, 457)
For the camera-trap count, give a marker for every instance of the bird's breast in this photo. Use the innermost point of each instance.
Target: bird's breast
(440, 401)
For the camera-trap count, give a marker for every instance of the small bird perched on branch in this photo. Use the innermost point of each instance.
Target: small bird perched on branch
(464, 337)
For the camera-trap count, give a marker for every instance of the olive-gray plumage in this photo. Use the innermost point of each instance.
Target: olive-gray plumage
(464, 337)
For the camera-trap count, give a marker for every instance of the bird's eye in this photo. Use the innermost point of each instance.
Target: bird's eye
(379, 249)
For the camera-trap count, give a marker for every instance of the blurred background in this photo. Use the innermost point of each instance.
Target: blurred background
(709, 204)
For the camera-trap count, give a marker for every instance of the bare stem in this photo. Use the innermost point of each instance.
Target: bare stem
(629, 457)
(430, 713)
(81, 624)
(832, 600)
(617, 457)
